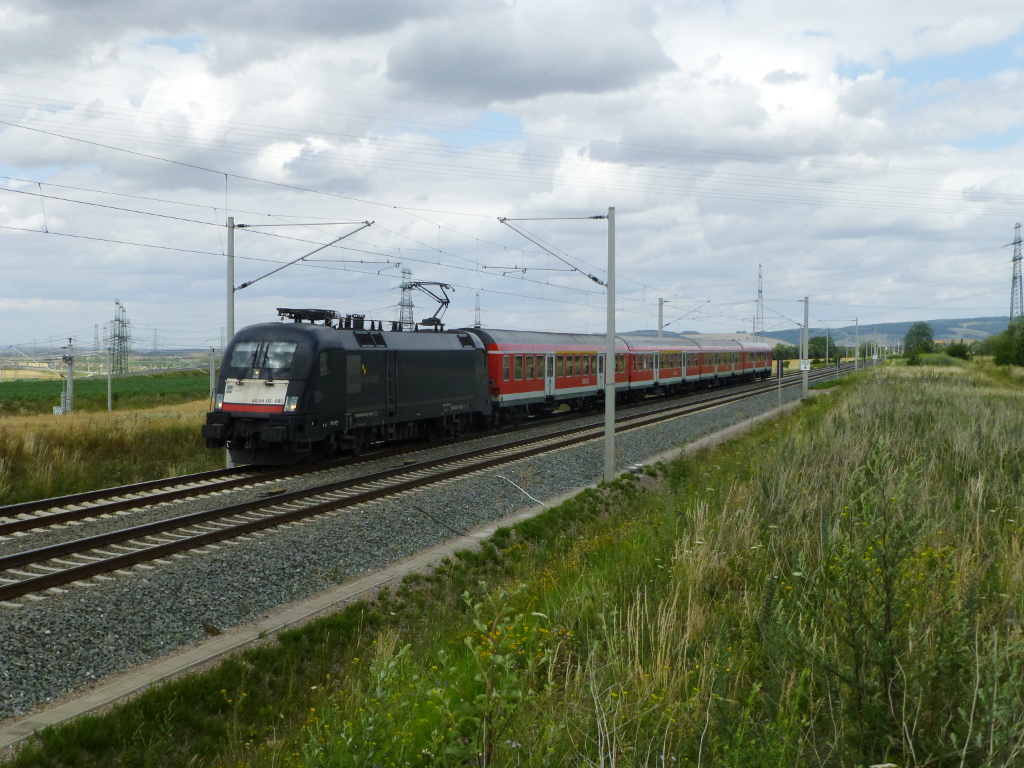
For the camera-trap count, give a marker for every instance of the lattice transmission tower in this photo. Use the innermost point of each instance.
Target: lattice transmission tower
(476, 313)
(120, 340)
(1016, 289)
(405, 304)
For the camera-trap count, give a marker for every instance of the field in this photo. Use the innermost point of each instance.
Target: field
(843, 587)
(26, 397)
(44, 456)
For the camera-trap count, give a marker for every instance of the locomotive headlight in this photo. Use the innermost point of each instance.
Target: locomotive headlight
(290, 404)
(218, 402)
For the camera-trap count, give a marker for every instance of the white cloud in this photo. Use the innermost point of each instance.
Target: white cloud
(726, 135)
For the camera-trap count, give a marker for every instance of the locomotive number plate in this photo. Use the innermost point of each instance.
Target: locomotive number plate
(255, 395)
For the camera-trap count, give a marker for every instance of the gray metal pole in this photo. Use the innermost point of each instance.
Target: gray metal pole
(231, 305)
(70, 406)
(778, 375)
(803, 353)
(856, 343)
(231, 276)
(609, 359)
(661, 323)
(110, 386)
(213, 373)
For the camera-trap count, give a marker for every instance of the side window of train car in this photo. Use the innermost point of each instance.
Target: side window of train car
(504, 367)
(559, 366)
(578, 367)
(519, 367)
(593, 364)
(540, 366)
(529, 366)
(586, 365)
(325, 367)
(568, 365)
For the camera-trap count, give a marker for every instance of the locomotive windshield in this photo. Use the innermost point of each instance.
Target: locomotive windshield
(261, 359)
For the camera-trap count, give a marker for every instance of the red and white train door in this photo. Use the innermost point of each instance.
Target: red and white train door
(549, 376)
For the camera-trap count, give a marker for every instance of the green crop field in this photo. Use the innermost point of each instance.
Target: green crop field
(26, 397)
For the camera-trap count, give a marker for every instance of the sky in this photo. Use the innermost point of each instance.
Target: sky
(867, 156)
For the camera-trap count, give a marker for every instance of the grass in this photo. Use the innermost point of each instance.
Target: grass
(941, 359)
(131, 392)
(840, 589)
(44, 456)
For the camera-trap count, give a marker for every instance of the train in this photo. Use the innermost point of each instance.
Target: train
(326, 384)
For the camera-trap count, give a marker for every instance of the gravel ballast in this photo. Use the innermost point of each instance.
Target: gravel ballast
(53, 646)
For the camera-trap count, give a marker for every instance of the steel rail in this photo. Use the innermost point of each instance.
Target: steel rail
(74, 499)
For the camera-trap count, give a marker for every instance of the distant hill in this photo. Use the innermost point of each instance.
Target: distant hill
(969, 329)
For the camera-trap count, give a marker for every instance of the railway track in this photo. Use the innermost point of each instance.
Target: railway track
(29, 516)
(18, 519)
(31, 574)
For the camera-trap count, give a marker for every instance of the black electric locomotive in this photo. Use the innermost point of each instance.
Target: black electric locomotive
(327, 384)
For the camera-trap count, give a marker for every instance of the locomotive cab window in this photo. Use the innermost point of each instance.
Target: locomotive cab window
(261, 359)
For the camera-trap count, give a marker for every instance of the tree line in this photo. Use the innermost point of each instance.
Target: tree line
(818, 348)
(1006, 348)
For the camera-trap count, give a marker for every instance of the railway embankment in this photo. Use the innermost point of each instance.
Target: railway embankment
(65, 641)
(841, 586)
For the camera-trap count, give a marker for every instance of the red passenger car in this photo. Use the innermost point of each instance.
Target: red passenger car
(536, 372)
